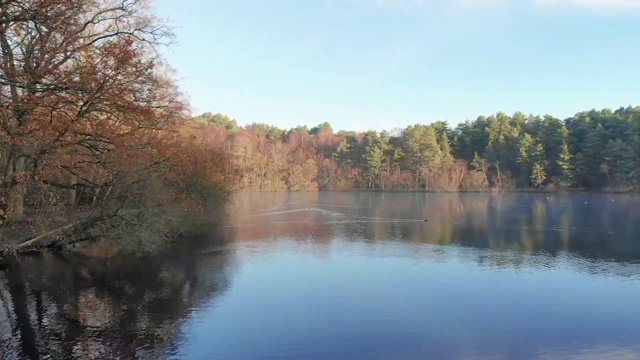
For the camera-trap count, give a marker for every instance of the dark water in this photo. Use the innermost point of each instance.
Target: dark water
(352, 276)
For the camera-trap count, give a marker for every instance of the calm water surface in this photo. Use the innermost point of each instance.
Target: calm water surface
(352, 276)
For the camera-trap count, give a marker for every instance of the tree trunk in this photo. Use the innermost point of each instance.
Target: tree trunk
(15, 203)
(72, 194)
(15, 162)
(16, 191)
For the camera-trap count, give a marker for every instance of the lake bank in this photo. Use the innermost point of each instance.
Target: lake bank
(506, 191)
(462, 191)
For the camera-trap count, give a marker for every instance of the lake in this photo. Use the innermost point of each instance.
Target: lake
(352, 275)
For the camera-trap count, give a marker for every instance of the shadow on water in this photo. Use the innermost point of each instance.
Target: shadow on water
(77, 307)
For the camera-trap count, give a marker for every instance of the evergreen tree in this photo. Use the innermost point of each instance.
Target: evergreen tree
(620, 159)
(565, 162)
(531, 154)
(424, 152)
(590, 160)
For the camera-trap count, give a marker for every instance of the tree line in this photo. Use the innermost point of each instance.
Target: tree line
(590, 150)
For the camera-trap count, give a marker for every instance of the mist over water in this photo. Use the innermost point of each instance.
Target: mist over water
(353, 275)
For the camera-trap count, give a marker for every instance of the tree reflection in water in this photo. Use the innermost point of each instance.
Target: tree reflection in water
(584, 225)
(81, 308)
(55, 307)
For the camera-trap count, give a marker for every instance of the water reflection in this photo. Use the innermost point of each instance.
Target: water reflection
(355, 275)
(592, 226)
(303, 299)
(55, 307)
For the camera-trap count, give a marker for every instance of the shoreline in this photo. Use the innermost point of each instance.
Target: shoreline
(492, 191)
(488, 191)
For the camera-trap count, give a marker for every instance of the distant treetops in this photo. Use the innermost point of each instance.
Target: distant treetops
(593, 149)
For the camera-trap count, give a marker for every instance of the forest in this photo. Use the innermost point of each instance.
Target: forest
(593, 150)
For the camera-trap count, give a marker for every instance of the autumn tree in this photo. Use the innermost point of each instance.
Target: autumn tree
(87, 108)
(538, 174)
(481, 165)
(77, 77)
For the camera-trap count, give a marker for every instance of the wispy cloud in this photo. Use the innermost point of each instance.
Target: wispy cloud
(480, 3)
(594, 4)
(454, 3)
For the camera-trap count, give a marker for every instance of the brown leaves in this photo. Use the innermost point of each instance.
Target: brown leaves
(82, 93)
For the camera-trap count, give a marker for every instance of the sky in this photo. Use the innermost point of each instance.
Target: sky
(381, 64)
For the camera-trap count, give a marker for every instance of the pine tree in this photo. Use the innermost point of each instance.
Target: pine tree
(591, 158)
(531, 154)
(445, 146)
(373, 158)
(374, 162)
(565, 162)
(620, 157)
(424, 151)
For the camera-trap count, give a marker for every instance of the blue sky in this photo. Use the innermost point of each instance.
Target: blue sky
(379, 64)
